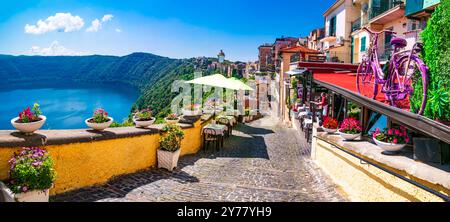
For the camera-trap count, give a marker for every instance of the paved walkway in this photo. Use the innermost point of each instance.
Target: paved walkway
(262, 161)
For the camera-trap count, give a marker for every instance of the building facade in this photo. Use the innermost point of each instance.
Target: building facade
(313, 40)
(265, 57)
(337, 42)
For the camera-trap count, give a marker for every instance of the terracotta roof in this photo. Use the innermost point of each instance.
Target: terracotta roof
(299, 48)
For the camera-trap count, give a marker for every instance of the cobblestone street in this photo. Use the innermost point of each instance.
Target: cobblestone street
(262, 161)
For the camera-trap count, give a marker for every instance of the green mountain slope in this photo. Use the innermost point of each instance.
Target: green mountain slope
(151, 74)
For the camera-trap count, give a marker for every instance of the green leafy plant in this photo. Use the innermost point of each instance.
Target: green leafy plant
(100, 116)
(31, 169)
(171, 138)
(436, 54)
(172, 116)
(392, 135)
(144, 115)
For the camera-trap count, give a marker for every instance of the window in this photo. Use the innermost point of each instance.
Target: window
(363, 44)
(332, 28)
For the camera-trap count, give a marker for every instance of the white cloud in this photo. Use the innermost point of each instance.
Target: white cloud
(118, 30)
(97, 24)
(61, 22)
(107, 17)
(55, 49)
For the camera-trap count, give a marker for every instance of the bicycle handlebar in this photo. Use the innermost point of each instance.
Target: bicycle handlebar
(373, 32)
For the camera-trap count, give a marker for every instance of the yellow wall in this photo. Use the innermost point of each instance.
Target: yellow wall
(84, 164)
(363, 182)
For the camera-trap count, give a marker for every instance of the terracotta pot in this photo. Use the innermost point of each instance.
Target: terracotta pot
(145, 123)
(99, 126)
(33, 196)
(28, 128)
(391, 147)
(168, 160)
(169, 121)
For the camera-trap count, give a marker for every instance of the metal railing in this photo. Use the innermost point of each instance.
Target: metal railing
(423, 187)
(356, 24)
(382, 6)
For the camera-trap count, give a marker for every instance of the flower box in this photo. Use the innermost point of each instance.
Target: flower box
(30, 127)
(197, 112)
(329, 131)
(33, 196)
(143, 123)
(390, 147)
(99, 126)
(168, 160)
(347, 136)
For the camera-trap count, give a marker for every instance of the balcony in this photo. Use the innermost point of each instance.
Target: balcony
(383, 11)
(356, 25)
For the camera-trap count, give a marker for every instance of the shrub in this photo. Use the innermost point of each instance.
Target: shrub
(31, 169)
(392, 135)
(350, 126)
(436, 54)
(144, 115)
(171, 138)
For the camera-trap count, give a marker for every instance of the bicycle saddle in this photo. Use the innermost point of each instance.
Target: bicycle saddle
(399, 42)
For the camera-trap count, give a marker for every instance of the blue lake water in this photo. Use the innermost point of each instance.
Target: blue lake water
(66, 106)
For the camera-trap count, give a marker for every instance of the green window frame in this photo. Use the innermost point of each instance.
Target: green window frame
(332, 28)
(363, 44)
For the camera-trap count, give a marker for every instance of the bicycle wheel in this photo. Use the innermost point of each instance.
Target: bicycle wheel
(412, 83)
(366, 83)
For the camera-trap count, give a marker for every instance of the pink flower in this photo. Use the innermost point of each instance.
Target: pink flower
(397, 132)
(407, 139)
(389, 131)
(24, 188)
(395, 141)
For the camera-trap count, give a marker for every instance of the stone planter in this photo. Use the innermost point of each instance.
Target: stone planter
(144, 123)
(329, 131)
(28, 128)
(187, 112)
(6, 195)
(168, 160)
(347, 136)
(99, 126)
(172, 121)
(33, 196)
(390, 148)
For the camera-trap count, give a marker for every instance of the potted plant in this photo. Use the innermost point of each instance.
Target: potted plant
(169, 146)
(143, 118)
(391, 140)
(29, 120)
(31, 175)
(350, 129)
(100, 120)
(329, 125)
(192, 110)
(172, 118)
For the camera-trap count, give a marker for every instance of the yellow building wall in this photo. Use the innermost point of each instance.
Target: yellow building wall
(85, 164)
(363, 182)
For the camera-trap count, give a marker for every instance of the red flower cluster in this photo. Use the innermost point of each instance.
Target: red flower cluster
(27, 116)
(330, 123)
(350, 126)
(392, 135)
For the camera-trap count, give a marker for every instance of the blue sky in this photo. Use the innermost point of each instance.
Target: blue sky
(173, 28)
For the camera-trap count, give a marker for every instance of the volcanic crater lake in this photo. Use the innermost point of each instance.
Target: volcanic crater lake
(66, 105)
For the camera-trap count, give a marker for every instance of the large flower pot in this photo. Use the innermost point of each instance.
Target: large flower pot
(144, 123)
(347, 136)
(99, 126)
(28, 128)
(33, 196)
(329, 131)
(187, 112)
(167, 159)
(389, 147)
(172, 121)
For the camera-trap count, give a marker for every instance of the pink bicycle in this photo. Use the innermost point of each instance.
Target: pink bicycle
(401, 84)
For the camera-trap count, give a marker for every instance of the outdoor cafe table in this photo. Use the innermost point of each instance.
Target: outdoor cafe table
(231, 119)
(219, 131)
